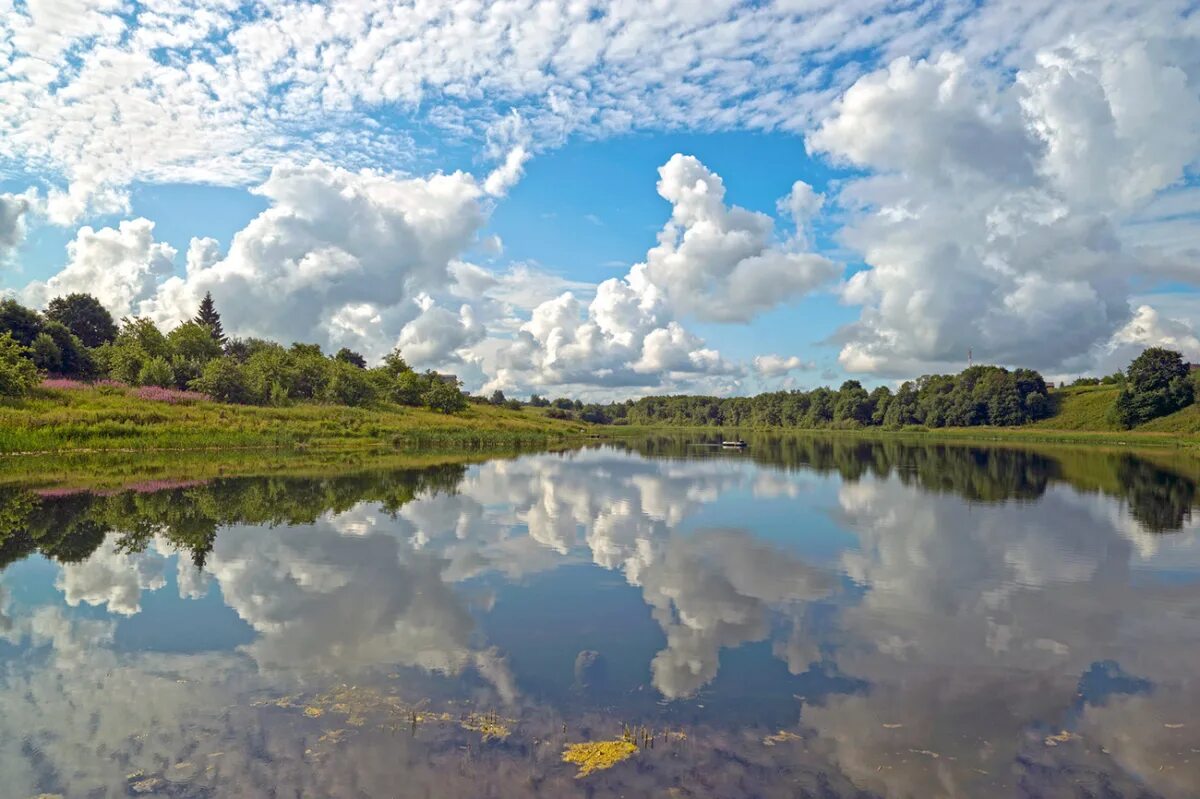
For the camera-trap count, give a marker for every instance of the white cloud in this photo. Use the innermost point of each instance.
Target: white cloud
(436, 336)
(721, 262)
(712, 260)
(337, 258)
(773, 365)
(1149, 328)
(991, 218)
(120, 266)
(14, 210)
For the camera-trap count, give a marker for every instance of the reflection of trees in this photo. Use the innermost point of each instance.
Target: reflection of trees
(1160, 499)
(70, 527)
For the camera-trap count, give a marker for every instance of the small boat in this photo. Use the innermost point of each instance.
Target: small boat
(739, 444)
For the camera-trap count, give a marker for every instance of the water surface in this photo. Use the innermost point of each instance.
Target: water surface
(809, 617)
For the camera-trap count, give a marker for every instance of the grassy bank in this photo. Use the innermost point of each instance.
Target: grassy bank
(95, 420)
(98, 420)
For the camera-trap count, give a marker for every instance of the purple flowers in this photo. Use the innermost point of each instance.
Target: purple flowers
(169, 395)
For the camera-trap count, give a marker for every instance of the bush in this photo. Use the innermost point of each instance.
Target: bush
(193, 341)
(224, 380)
(156, 372)
(444, 397)
(45, 354)
(76, 361)
(348, 384)
(409, 388)
(18, 375)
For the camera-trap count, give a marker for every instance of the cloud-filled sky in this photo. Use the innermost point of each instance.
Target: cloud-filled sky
(612, 199)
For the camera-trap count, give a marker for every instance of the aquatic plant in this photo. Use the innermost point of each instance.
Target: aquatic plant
(593, 756)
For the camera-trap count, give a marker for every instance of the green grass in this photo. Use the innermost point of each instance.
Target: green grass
(1082, 408)
(90, 419)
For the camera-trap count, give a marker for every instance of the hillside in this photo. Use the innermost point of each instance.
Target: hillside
(54, 420)
(1082, 408)
(1087, 408)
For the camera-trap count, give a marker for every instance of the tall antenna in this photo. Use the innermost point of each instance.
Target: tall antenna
(970, 357)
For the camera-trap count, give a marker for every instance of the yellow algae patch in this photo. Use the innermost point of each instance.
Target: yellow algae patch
(598, 755)
(489, 724)
(313, 712)
(783, 736)
(1060, 738)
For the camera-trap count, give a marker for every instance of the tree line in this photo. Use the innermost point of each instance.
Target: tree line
(980, 395)
(76, 337)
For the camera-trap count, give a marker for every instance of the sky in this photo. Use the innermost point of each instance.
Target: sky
(608, 200)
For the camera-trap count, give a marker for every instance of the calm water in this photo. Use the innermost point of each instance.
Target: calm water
(805, 618)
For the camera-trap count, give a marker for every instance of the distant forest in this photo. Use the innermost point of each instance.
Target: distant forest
(1157, 382)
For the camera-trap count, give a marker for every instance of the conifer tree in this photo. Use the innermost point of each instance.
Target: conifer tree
(209, 317)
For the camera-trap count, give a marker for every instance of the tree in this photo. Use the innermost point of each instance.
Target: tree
(156, 371)
(348, 385)
(497, 397)
(85, 317)
(1156, 384)
(223, 379)
(193, 341)
(18, 375)
(394, 362)
(347, 355)
(76, 360)
(207, 315)
(853, 404)
(45, 354)
(444, 396)
(20, 322)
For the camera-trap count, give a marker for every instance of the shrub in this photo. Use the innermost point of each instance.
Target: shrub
(194, 342)
(76, 360)
(45, 354)
(348, 385)
(156, 372)
(444, 397)
(223, 379)
(18, 375)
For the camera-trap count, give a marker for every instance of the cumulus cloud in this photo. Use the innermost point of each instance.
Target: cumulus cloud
(772, 365)
(438, 335)
(14, 210)
(338, 257)
(722, 262)
(991, 219)
(712, 261)
(120, 266)
(1149, 328)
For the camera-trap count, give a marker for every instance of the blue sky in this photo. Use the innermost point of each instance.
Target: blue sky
(609, 199)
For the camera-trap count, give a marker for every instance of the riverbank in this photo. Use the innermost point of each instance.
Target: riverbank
(98, 420)
(102, 421)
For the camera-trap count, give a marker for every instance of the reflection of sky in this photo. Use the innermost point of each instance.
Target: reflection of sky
(910, 624)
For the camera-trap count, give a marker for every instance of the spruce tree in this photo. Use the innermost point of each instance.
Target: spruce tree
(209, 317)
